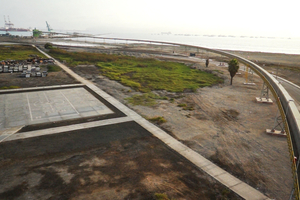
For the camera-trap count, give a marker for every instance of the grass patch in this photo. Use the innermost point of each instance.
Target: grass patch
(18, 52)
(9, 87)
(160, 196)
(219, 71)
(190, 108)
(157, 120)
(186, 107)
(147, 99)
(142, 74)
(53, 68)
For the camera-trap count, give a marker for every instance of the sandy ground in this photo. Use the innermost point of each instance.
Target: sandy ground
(227, 126)
(284, 65)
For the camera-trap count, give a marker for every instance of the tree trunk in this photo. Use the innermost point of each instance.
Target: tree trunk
(231, 80)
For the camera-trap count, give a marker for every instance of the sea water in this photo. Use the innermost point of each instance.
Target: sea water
(18, 33)
(241, 43)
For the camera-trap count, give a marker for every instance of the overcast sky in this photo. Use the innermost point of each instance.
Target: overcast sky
(218, 17)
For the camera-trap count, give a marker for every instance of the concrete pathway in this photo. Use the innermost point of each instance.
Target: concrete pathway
(5, 134)
(62, 129)
(234, 184)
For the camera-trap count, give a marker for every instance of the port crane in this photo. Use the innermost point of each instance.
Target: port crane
(8, 24)
(48, 27)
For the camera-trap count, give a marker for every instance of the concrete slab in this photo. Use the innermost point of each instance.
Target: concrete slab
(24, 108)
(4, 134)
(249, 84)
(264, 100)
(230, 180)
(275, 133)
(248, 192)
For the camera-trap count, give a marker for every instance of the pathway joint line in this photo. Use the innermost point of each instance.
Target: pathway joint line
(29, 107)
(69, 102)
(236, 184)
(221, 174)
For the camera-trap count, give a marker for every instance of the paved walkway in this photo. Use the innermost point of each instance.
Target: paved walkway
(234, 184)
(62, 129)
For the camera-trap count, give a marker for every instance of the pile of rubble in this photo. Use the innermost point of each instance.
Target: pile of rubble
(28, 68)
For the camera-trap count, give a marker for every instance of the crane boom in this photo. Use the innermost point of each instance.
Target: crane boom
(48, 27)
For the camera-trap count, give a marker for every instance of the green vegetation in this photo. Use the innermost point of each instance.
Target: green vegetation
(36, 33)
(233, 68)
(142, 74)
(157, 120)
(186, 107)
(159, 196)
(147, 99)
(53, 68)
(225, 193)
(9, 87)
(18, 52)
(48, 46)
(219, 71)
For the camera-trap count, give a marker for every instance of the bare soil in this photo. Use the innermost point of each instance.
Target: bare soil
(121, 161)
(226, 126)
(53, 78)
(284, 65)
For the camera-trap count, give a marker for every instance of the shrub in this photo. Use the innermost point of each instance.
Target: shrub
(48, 46)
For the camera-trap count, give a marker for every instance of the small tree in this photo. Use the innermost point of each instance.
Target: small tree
(48, 46)
(233, 68)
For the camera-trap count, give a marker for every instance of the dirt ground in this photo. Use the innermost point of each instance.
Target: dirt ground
(226, 126)
(120, 161)
(276, 64)
(53, 78)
